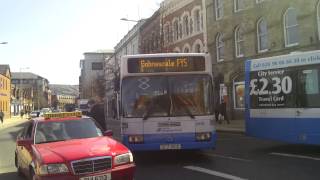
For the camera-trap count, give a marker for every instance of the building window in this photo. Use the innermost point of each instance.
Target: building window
(238, 5)
(197, 48)
(186, 25)
(219, 9)
(220, 47)
(262, 35)
(239, 42)
(291, 31)
(186, 50)
(259, 1)
(97, 66)
(197, 18)
(238, 95)
(176, 30)
(166, 33)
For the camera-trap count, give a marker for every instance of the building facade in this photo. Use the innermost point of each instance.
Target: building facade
(248, 29)
(92, 80)
(29, 92)
(151, 42)
(5, 90)
(182, 26)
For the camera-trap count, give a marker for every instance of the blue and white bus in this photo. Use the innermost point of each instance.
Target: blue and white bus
(165, 102)
(283, 98)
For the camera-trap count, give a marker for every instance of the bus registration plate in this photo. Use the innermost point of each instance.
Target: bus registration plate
(170, 146)
(99, 177)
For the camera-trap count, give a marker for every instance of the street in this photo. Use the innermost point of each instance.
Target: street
(236, 157)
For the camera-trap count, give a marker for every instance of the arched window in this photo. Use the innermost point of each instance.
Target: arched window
(186, 25)
(220, 47)
(239, 41)
(291, 31)
(176, 30)
(219, 9)
(198, 48)
(262, 35)
(197, 18)
(186, 48)
(166, 33)
(238, 5)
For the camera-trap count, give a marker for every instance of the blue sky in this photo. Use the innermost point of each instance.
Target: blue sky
(50, 36)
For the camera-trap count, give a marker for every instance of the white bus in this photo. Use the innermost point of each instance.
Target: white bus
(283, 98)
(165, 102)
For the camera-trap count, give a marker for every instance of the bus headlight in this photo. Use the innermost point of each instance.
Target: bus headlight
(135, 139)
(53, 169)
(123, 159)
(205, 136)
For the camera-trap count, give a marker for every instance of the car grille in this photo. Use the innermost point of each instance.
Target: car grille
(92, 165)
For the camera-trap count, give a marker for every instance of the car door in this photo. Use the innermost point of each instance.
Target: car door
(24, 151)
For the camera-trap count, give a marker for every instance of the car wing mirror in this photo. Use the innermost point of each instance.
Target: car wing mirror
(108, 133)
(24, 142)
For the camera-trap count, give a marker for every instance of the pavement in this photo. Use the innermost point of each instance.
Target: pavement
(236, 126)
(14, 120)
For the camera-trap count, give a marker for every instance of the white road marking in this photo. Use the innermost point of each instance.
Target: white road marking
(226, 157)
(295, 156)
(214, 173)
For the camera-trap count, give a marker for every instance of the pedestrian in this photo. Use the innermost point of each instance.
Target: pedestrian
(21, 114)
(1, 116)
(223, 112)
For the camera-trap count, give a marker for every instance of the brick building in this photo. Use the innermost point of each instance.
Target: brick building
(182, 27)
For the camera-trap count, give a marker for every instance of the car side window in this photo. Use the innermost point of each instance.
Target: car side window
(27, 131)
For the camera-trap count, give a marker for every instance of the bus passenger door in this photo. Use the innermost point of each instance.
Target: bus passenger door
(308, 111)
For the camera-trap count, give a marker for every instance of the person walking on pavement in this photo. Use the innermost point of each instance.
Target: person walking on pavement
(1, 116)
(21, 114)
(223, 112)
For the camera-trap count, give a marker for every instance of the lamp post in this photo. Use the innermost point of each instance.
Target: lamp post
(21, 91)
(3, 42)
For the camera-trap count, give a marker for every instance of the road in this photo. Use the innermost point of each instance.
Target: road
(236, 157)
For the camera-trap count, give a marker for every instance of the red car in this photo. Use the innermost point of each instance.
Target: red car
(68, 146)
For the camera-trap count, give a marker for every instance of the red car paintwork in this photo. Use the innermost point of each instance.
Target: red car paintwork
(71, 150)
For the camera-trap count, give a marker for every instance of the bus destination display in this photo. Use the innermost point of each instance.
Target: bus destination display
(166, 64)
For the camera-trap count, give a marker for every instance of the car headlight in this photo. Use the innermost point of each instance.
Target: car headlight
(123, 159)
(53, 169)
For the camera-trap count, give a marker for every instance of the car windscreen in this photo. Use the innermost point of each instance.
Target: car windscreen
(65, 130)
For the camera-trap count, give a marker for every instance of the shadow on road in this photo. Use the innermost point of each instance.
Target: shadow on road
(10, 176)
(168, 157)
(295, 149)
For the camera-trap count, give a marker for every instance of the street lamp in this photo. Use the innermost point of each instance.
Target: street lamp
(21, 91)
(3, 42)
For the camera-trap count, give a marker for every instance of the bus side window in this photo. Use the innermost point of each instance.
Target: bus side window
(309, 80)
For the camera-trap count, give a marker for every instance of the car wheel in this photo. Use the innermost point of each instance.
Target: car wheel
(16, 162)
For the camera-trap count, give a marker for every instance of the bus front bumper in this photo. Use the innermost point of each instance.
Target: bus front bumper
(176, 145)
